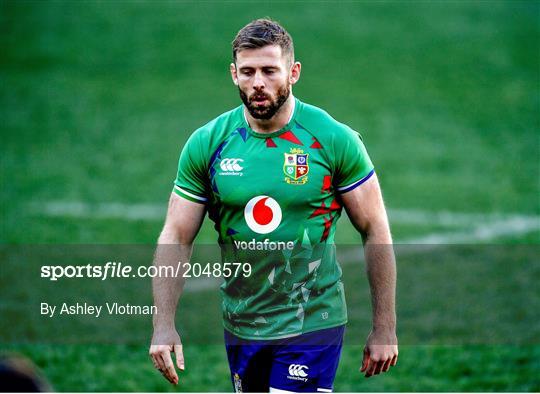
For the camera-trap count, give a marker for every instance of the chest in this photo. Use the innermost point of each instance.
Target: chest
(292, 173)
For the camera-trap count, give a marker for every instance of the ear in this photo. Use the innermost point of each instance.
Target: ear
(234, 75)
(294, 76)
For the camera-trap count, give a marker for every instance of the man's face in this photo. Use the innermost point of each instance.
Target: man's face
(263, 77)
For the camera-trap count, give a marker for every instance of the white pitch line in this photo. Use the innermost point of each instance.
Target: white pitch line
(452, 219)
(481, 232)
(475, 227)
(79, 209)
(201, 284)
(147, 211)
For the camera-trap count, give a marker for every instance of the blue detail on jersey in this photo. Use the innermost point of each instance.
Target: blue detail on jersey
(298, 125)
(303, 363)
(214, 186)
(231, 231)
(213, 160)
(217, 154)
(358, 183)
(243, 133)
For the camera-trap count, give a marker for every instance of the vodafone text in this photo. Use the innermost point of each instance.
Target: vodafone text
(264, 245)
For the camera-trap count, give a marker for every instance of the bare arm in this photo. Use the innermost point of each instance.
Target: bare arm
(175, 243)
(365, 208)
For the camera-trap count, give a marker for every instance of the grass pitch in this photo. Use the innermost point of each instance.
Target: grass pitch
(98, 99)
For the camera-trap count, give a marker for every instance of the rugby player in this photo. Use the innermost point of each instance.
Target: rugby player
(274, 175)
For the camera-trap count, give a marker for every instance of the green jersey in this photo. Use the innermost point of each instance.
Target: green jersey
(275, 200)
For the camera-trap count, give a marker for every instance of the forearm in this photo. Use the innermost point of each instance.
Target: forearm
(381, 271)
(171, 250)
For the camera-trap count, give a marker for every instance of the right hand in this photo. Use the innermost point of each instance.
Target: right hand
(163, 343)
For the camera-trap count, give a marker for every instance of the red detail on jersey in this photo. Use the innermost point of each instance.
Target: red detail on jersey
(316, 144)
(270, 143)
(262, 214)
(327, 225)
(322, 210)
(289, 136)
(327, 184)
(335, 205)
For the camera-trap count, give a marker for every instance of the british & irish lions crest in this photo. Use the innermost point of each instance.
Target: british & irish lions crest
(296, 167)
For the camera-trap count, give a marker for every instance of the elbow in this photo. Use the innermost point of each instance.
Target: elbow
(174, 235)
(377, 232)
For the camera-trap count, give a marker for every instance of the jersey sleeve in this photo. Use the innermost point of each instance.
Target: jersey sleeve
(352, 165)
(192, 179)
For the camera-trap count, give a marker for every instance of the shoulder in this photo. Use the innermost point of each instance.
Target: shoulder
(323, 126)
(218, 128)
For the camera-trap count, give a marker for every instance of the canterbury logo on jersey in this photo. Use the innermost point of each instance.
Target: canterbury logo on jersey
(231, 165)
(296, 372)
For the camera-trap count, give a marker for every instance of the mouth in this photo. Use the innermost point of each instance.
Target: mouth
(259, 100)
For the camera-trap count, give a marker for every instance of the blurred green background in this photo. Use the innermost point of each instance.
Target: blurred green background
(98, 98)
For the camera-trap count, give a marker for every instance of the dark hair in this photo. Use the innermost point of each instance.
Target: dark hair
(260, 33)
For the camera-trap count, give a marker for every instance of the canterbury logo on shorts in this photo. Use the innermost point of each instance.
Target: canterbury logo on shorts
(298, 370)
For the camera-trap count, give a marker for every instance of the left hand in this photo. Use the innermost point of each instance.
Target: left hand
(380, 352)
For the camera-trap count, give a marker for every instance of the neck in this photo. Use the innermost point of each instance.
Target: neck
(276, 122)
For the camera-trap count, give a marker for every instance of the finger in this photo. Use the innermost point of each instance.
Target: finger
(169, 371)
(368, 368)
(365, 360)
(386, 366)
(379, 367)
(371, 368)
(152, 358)
(158, 363)
(179, 353)
(394, 360)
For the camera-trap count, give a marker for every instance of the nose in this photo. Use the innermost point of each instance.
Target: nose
(258, 81)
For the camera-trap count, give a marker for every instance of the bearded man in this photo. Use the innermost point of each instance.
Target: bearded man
(274, 175)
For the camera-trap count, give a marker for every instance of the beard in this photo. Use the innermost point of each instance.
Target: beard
(269, 110)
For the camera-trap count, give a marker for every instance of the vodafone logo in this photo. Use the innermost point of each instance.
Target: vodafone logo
(262, 214)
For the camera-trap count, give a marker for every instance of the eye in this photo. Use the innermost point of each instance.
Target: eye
(246, 72)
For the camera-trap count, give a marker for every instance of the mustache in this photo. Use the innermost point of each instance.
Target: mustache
(259, 96)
